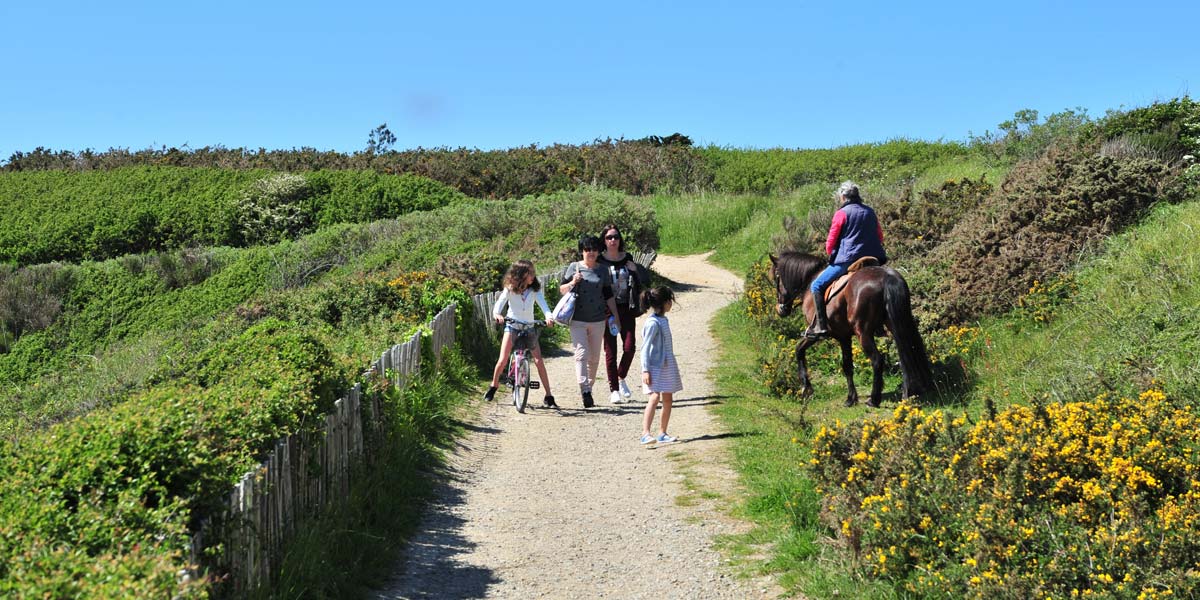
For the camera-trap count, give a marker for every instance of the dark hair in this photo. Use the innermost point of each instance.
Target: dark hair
(590, 242)
(620, 236)
(657, 297)
(514, 278)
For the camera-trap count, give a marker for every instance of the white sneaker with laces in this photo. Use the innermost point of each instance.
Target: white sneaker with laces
(616, 398)
(625, 388)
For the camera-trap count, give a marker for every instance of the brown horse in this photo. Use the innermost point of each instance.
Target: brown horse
(873, 298)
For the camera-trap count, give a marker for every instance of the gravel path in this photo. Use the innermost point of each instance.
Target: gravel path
(567, 504)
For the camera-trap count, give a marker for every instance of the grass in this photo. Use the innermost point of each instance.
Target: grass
(737, 228)
(1135, 319)
(770, 450)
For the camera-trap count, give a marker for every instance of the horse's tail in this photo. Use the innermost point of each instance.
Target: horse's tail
(914, 361)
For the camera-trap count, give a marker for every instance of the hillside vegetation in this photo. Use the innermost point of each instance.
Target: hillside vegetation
(166, 314)
(71, 216)
(1059, 456)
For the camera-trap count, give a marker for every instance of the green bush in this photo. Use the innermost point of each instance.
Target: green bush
(95, 215)
(118, 490)
(1047, 214)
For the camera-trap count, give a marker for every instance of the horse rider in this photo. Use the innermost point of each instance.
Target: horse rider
(854, 233)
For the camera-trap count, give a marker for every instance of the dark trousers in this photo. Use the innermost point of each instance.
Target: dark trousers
(619, 371)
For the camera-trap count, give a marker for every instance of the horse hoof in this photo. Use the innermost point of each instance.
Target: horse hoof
(873, 403)
(851, 402)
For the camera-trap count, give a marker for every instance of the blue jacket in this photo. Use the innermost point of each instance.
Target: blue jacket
(654, 343)
(855, 233)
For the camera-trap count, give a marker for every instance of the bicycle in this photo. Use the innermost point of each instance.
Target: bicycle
(518, 362)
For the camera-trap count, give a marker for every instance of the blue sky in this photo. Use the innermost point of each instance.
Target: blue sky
(490, 75)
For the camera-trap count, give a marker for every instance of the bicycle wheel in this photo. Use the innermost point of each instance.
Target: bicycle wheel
(521, 385)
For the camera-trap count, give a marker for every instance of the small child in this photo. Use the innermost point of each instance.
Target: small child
(521, 291)
(660, 372)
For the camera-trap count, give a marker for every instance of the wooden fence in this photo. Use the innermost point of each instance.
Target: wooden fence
(306, 473)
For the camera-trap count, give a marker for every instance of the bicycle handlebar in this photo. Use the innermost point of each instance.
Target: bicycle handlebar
(540, 323)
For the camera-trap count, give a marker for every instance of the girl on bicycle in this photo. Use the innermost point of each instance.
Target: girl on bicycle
(660, 372)
(521, 292)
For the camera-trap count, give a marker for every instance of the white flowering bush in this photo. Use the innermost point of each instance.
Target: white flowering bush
(272, 209)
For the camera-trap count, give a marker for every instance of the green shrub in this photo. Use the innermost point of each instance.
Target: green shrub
(95, 215)
(917, 223)
(271, 210)
(1048, 213)
(1172, 125)
(119, 489)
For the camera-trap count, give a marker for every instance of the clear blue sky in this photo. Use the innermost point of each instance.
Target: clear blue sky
(490, 75)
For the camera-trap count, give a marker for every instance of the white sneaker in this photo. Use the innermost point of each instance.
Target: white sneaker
(616, 398)
(624, 388)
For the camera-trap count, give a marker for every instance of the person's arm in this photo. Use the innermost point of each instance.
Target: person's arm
(650, 333)
(498, 309)
(638, 271)
(880, 231)
(610, 299)
(540, 298)
(835, 231)
(569, 283)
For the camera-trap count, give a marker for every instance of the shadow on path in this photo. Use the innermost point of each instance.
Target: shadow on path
(432, 568)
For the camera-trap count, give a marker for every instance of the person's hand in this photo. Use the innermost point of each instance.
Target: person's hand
(646, 377)
(499, 319)
(549, 322)
(577, 278)
(631, 265)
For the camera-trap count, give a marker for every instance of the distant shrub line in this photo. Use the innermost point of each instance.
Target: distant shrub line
(634, 167)
(95, 215)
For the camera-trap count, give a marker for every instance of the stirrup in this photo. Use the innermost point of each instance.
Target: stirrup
(815, 335)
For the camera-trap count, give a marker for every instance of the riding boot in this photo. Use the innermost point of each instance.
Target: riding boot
(820, 325)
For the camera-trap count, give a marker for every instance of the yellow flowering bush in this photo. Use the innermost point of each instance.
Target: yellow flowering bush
(955, 343)
(760, 292)
(1080, 499)
(1042, 301)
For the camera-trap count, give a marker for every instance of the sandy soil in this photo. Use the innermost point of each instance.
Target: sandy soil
(567, 504)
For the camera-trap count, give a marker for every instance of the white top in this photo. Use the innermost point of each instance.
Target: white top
(520, 306)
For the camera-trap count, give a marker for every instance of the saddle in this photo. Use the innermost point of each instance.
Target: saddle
(840, 282)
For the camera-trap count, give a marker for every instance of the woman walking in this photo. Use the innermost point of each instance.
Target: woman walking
(593, 302)
(628, 280)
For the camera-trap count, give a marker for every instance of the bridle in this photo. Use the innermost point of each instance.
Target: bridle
(786, 296)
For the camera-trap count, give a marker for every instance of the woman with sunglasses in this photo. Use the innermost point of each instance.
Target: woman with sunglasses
(628, 280)
(593, 303)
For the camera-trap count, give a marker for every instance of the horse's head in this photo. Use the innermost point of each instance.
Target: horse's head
(791, 272)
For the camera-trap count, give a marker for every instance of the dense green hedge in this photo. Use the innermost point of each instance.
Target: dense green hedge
(100, 507)
(93, 215)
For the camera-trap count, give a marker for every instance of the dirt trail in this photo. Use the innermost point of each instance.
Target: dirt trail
(567, 504)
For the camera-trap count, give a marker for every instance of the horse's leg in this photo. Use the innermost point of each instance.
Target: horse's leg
(806, 389)
(848, 371)
(877, 365)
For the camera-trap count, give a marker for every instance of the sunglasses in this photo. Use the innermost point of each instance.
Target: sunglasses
(612, 237)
